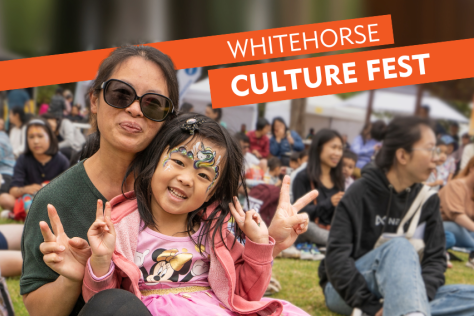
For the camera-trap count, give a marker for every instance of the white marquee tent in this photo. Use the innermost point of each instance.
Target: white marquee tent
(199, 95)
(322, 112)
(386, 100)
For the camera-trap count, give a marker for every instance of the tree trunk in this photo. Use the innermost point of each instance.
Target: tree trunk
(298, 110)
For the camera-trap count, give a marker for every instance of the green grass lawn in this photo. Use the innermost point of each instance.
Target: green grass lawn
(299, 280)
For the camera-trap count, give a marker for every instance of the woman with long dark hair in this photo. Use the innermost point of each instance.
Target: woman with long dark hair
(124, 126)
(378, 259)
(133, 95)
(323, 173)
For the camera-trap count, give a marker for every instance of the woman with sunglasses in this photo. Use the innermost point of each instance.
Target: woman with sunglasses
(124, 128)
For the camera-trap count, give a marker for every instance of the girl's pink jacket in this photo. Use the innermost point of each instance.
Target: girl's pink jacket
(238, 277)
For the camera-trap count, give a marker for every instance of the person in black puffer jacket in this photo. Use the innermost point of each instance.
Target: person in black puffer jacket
(390, 279)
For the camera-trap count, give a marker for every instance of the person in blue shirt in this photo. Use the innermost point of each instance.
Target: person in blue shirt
(365, 144)
(284, 141)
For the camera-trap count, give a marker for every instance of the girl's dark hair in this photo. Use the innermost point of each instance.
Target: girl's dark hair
(314, 160)
(231, 169)
(402, 132)
(216, 111)
(53, 141)
(108, 66)
(49, 116)
(19, 110)
(279, 119)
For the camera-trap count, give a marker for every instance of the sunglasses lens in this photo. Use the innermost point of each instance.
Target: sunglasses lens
(118, 94)
(155, 107)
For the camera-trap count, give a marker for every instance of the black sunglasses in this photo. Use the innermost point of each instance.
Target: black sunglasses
(121, 95)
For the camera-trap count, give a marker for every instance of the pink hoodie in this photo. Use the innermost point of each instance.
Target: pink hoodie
(238, 277)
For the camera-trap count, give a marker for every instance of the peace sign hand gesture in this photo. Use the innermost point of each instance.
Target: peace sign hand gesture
(250, 223)
(65, 256)
(102, 239)
(287, 224)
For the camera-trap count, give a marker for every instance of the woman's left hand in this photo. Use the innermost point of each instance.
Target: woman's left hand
(289, 138)
(250, 223)
(287, 224)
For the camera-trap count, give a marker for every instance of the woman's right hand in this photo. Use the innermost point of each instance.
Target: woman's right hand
(65, 256)
(336, 198)
(102, 240)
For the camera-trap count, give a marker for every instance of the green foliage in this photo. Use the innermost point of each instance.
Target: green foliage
(45, 93)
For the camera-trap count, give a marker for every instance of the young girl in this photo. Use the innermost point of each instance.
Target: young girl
(41, 163)
(175, 252)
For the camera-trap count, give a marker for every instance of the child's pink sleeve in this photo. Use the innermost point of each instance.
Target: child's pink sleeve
(253, 269)
(92, 285)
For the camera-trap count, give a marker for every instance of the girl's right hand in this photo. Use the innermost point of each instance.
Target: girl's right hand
(102, 240)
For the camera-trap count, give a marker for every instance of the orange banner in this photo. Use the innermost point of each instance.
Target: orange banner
(342, 73)
(207, 51)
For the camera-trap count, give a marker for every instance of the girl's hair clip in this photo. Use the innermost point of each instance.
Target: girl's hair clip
(192, 125)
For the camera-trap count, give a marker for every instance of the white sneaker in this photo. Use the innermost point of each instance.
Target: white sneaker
(317, 256)
(6, 214)
(291, 252)
(470, 263)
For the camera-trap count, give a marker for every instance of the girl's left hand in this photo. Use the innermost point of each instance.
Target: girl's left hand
(250, 223)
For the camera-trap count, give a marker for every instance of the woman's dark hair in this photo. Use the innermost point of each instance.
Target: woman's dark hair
(21, 114)
(402, 132)
(216, 111)
(108, 66)
(314, 160)
(261, 123)
(378, 129)
(231, 169)
(49, 116)
(53, 141)
(279, 119)
(185, 108)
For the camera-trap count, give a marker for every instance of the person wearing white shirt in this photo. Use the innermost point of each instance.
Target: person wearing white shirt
(17, 130)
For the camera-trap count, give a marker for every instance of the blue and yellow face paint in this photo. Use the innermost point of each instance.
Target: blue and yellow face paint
(206, 158)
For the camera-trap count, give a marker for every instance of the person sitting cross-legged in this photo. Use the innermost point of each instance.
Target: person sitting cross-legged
(397, 274)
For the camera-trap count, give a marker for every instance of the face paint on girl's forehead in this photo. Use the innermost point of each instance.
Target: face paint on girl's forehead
(205, 158)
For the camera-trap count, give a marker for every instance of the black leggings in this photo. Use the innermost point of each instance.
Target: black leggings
(114, 302)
